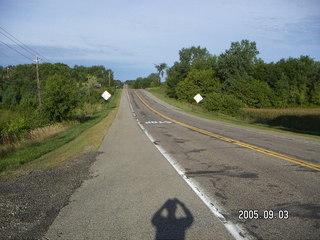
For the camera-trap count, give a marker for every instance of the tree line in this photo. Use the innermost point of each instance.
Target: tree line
(65, 93)
(153, 80)
(238, 78)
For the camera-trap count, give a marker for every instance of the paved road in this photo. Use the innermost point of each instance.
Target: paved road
(133, 185)
(239, 178)
(134, 193)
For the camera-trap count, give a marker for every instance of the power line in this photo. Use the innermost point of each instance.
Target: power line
(18, 44)
(16, 51)
(9, 56)
(23, 46)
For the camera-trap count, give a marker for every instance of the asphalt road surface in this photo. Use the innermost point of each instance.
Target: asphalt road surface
(212, 180)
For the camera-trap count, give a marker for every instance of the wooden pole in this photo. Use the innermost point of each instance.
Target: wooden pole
(38, 84)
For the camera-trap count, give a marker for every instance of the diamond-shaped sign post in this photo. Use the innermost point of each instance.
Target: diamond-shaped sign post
(106, 95)
(198, 98)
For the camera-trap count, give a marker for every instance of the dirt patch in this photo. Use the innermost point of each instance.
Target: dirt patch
(29, 204)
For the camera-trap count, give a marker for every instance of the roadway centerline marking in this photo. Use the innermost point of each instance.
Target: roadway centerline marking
(157, 122)
(230, 140)
(234, 229)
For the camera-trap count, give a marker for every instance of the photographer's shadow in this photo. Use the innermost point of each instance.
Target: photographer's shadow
(169, 226)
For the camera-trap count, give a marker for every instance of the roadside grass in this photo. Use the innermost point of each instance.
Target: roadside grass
(11, 143)
(71, 143)
(305, 120)
(294, 120)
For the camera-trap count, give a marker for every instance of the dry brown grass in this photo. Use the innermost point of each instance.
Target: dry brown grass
(36, 135)
(40, 134)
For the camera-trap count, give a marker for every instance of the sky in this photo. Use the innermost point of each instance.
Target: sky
(131, 36)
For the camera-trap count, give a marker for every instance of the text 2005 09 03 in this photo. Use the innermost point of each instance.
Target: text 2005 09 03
(266, 214)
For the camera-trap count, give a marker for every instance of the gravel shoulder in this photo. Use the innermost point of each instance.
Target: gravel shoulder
(29, 204)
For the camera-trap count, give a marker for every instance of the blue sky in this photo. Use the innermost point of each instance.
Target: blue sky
(131, 36)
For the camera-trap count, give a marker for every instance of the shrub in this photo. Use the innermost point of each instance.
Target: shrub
(14, 130)
(201, 81)
(60, 98)
(187, 90)
(227, 104)
(315, 93)
(251, 92)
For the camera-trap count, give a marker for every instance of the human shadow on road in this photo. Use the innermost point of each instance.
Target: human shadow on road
(169, 226)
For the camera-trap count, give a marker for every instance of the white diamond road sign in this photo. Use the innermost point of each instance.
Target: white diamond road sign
(198, 98)
(106, 95)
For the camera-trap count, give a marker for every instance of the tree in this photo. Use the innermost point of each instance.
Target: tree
(281, 91)
(48, 69)
(60, 98)
(315, 93)
(137, 83)
(197, 81)
(253, 93)
(186, 90)
(175, 74)
(150, 81)
(189, 55)
(180, 70)
(207, 62)
(239, 60)
(299, 76)
(160, 67)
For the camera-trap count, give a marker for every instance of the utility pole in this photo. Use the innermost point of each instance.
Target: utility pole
(109, 78)
(38, 84)
(8, 73)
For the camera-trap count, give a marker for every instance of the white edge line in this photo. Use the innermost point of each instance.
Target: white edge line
(234, 229)
(133, 113)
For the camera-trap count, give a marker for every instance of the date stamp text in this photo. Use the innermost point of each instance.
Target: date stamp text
(265, 214)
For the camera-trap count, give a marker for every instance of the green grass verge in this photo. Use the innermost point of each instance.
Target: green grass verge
(198, 111)
(35, 150)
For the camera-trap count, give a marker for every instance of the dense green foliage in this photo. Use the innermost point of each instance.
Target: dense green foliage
(151, 81)
(237, 78)
(197, 81)
(225, 103)
(65, 93)
(61, 97)
(179, 70)
(34, 150)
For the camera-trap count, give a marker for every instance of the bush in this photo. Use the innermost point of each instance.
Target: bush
(251, 92)
(227, 104)
(315, 94)
(60, 98)
(186, 90)
(201, 81)
(14, 130)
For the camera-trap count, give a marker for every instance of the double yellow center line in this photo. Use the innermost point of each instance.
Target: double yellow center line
(246, 145)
